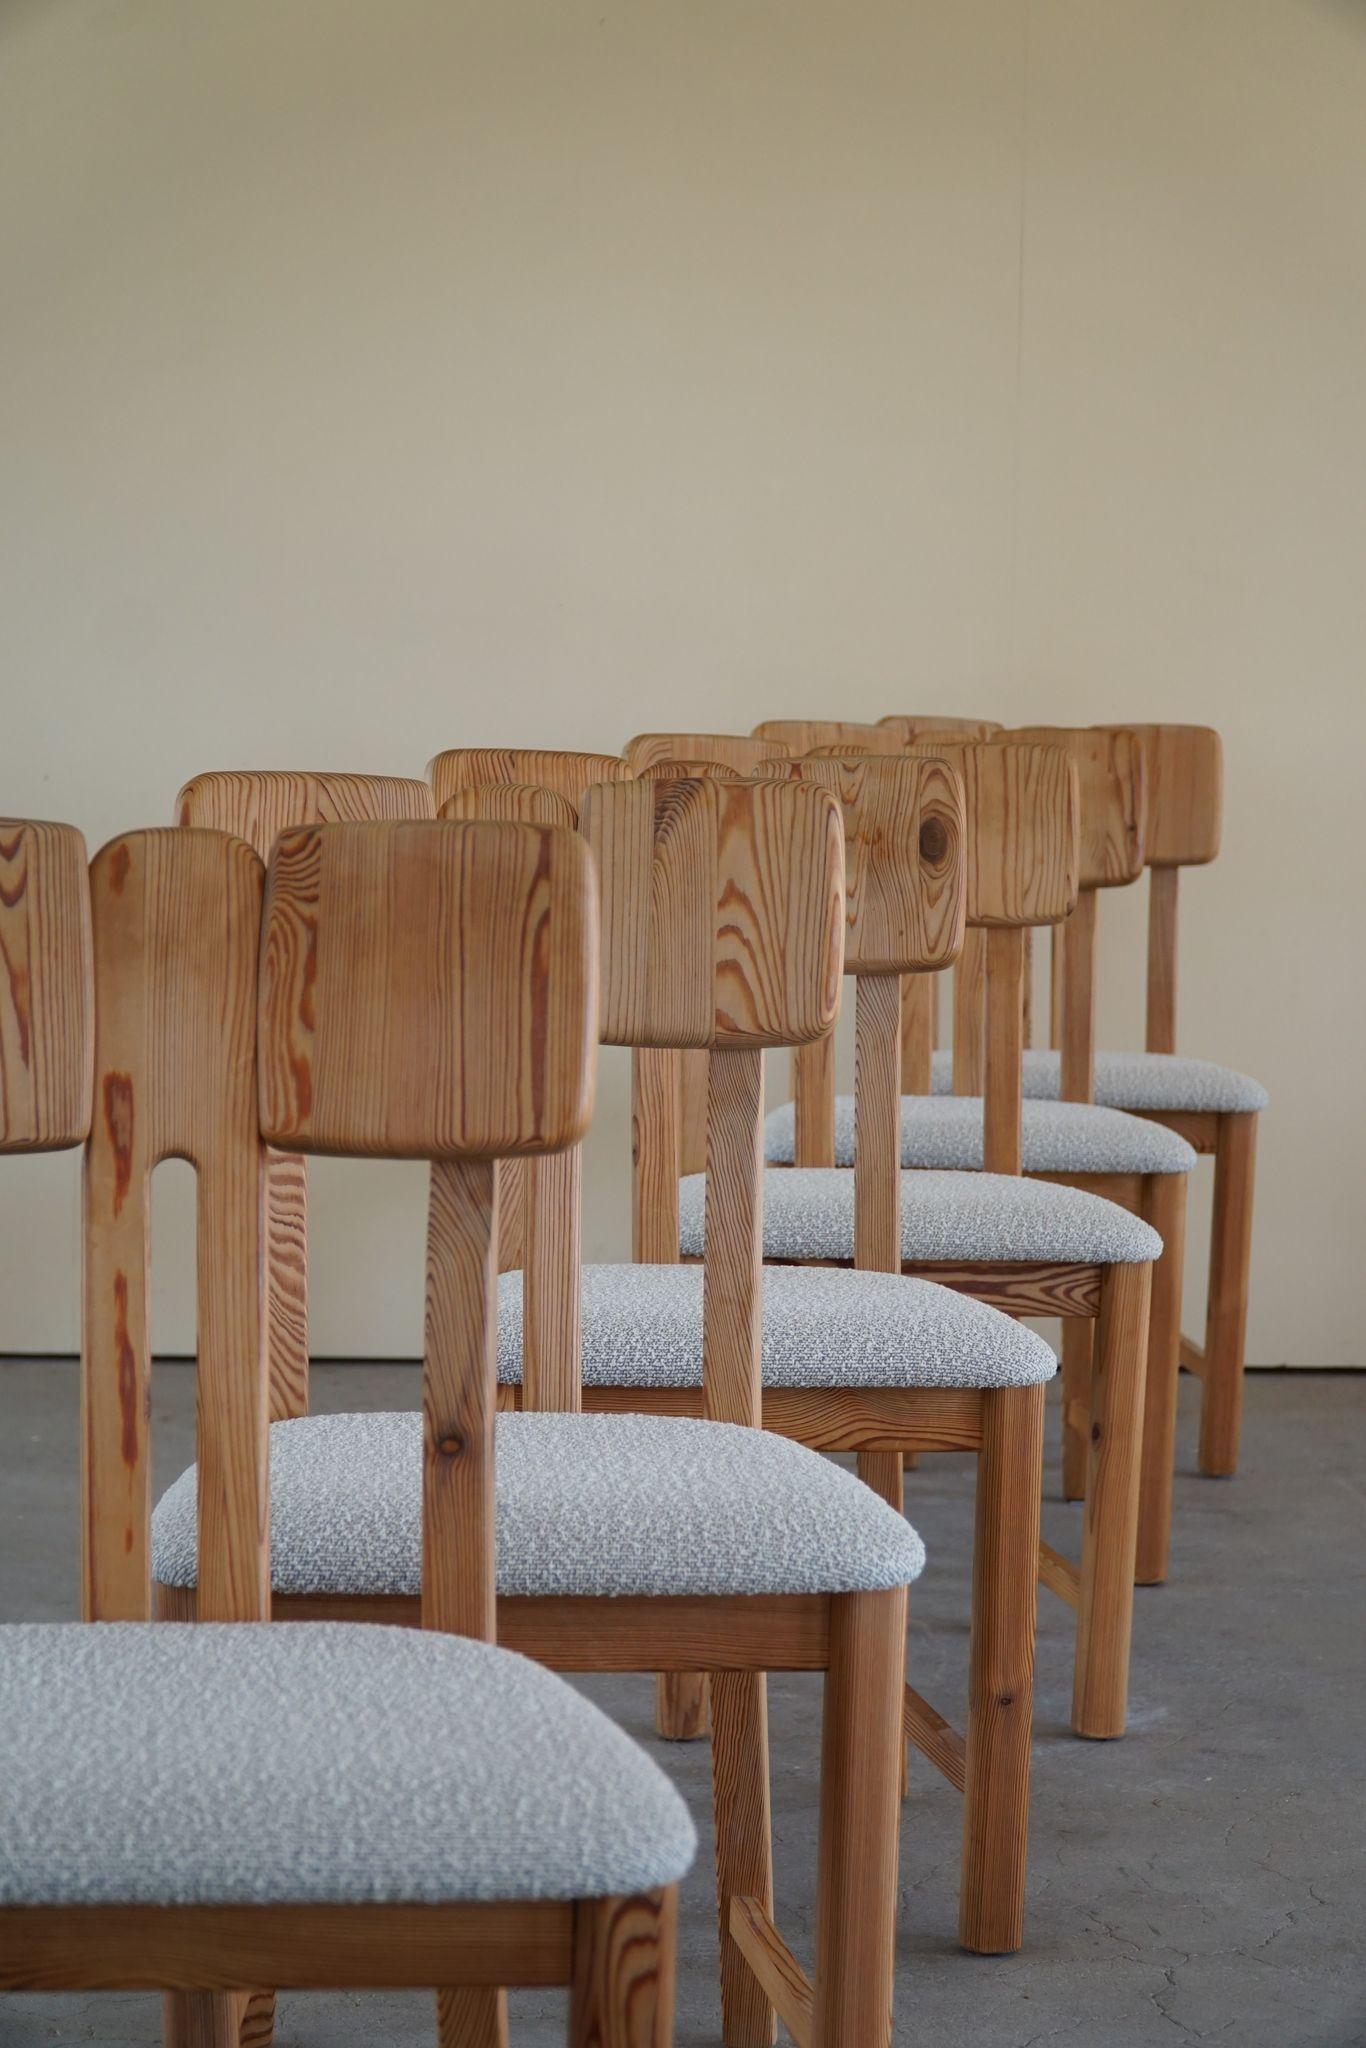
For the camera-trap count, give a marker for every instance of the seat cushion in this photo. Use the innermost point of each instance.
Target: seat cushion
(1134, 1081)
(162, 1765)
(1058, 1137)
(809, 1214)
(586, 1504)
(642, 1327)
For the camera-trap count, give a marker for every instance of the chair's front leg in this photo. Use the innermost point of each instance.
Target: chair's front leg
(860, 1821)
(1221, 1399)
(472, 2016)
(682, 1708)
(1001, 1678)
(1106, 1593)
(202, 2019)
(1164, 1207)
(625, 1965)
(257, 2029)
(1076, 1404)
(744, 1842)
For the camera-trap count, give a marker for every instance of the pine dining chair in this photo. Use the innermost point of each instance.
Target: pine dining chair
(200, 1810)
(800, 735)
(628, 1542)
(1029, 1246)
(869, 1362)
(741, 752)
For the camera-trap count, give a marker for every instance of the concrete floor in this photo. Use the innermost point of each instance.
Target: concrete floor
(1201, 1879)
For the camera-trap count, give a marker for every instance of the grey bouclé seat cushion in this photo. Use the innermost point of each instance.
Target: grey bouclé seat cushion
(642, 1327)
(1134, 1081)
(149, 1763)
(945, 1131)
(586, 1505)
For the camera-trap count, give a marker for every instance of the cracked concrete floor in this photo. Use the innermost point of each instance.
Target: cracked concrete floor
(1201, 1879)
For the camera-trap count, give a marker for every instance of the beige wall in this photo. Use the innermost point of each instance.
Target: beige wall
(381, 378)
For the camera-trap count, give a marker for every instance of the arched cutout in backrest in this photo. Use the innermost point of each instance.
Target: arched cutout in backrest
(430, 991)
(176, 919)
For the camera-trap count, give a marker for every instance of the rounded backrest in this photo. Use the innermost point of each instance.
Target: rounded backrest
(800, 735)
(740, 751)
(258, 804)
(563, 770)
(722, 911)
(1022, 823)
(428, 991)
(510, 803)
(1184, 767)
(904, 857)
(914, 726)
(46, 1004)
(1112, 788)
(688, 771)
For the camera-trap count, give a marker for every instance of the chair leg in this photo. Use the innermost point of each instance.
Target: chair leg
(884, 1471)
(625, 1966)
(1001, 1679)
(257, 2029)
(744, 1842)
(1076, 1404)
(201, 2019)
(472, 2016)
(1164, 1207)
(1106, 1592)
(860, 1821)
(682, 1710)
(1221, 1399)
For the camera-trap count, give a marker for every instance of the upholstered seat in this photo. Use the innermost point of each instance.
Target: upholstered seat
(809, 1214)
(642, 1327)
(1058, 1137)
(586, 1504)
(1134, 1081)
(143, 1763)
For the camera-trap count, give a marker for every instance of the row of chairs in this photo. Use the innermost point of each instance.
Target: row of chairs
(431, 993)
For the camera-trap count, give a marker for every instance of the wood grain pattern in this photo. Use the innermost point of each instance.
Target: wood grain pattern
(925, 1728)
(1001, 1675)
(917, 1039)
(176, 916)
(688, 771)
(1002, 1139)
(969, 1013)
(625, 1965)
(1112, 790)
(772, 1962)
(743, 1822)
(799, 735)
(472, 2016)
(257, 805)
(1165, 1209)
(1078, 1034)
(46, 1007)
(655, 1157)
(877, 1123)
(813, 1102)
(1059, 1574)
(739, 752)
(510, 803)
(732, 1286)
(861, 1755)
(565, 772)
(1221, 1380)
(912, 727)
(722, 912)
(459, 1378)
(1023, 810)
(1163, 927)
(449, 1012)
(1184, 765)
(208, 1948)
(1105, 1609)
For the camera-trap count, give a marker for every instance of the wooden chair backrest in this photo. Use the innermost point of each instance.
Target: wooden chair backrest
(722, 928)
(913, 726)
(176, 920)
(1023, 810)
(258, 805)
(905, 870)
(1185, 773)
(1112, 783)
(740, 751)
(46, 1004)
(430, 991)
(800, 735)
(690, 771)
(562, 770)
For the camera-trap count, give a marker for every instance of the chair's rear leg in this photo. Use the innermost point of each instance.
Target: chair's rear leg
(860, 1821)
(201, 2019)
(1001, 1678)
(682, 1709)
(257, 2029)
(1106, 1592)
(1221, 1396)
(744, 1842)
(625, 1965)
(472, 2016)
(1076, 1404)
(1164, 1206)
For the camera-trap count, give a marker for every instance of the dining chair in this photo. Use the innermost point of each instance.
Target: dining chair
(799, 735)
(199, 1810)
(869, 1361)
(913, 726)
(1215, 1108)
(633, 1542)
(741, 752)
(1031, 1246)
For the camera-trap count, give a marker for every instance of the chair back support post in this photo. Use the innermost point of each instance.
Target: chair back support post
(1163, 910)
(429, 991)
(176, 921)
